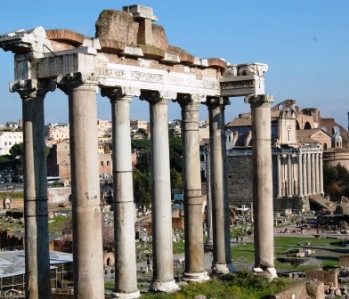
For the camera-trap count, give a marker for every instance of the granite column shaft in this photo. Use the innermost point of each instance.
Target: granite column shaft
(219, 263)
(194, 241)
(163, 276)
(262, 181)
(86, 209)
(123, 200)
(37, 254)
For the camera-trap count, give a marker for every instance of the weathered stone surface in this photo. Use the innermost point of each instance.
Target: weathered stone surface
(121, 26)
(325, 276)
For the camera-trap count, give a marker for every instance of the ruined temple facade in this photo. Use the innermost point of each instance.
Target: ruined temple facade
(300, 143)
(129, 58)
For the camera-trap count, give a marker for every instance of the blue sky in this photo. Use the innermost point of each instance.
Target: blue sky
(304, 42)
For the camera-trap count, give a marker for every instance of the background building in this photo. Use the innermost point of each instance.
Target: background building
(298, 139)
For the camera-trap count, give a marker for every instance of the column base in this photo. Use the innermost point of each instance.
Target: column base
(195, 277)
(166, 287)
(219, 269)
(125, 295)
(269, 273)
(231, 268)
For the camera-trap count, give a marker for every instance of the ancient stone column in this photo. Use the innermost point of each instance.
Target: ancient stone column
(193, 216)
(217, 129)
(226, 101)
(279, 177)
(305, 174)
(289, 175)
(321, 171)
(300, 174)
(313, 175)
(209, 241)
(310, 186)
(86, 210)
(317, 174)
(262, 182)
(37, 254)
(123, 200)
(163, 276)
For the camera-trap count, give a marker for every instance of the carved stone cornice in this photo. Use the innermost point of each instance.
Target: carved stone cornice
(76, 80)
(21, 41)
(32, 88)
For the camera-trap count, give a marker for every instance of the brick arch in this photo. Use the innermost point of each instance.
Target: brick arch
(307, 126)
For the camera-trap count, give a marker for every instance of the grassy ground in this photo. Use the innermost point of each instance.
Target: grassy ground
(245, 285)
(230, 286)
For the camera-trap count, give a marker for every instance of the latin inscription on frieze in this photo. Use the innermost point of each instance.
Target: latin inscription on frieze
(238, 84)
(149, 77)
(131, 75)
(110, 72)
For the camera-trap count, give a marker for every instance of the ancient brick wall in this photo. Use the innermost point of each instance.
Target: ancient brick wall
(325, 276)
(240, 179)
(301, 290)
(294, 203)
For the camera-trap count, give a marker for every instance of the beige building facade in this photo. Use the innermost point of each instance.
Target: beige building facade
(9, 139)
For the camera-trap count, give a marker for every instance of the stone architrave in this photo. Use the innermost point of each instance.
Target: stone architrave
(37, 255)
(86, 210)
(163, 276)
(194, 245)
(123, 200)
(262, 182)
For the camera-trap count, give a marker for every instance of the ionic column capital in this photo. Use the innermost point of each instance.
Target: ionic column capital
(69, 82)
(189, 99)
(120, 92)
(116, 94)
(213, 102)
(32, 88)
(156, 97)
(258, 100)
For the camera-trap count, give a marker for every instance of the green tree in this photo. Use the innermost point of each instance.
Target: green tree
(176, 179)
(336, 181)
(141, 188)
(143, 163)
(17, 150)
(140, 144)
(176, 159)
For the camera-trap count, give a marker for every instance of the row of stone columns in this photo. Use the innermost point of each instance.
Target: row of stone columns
(86, 213)
(310, 178)
(313, 178)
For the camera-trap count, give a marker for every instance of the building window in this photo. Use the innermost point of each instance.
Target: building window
(107, 163)
(101, 163)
